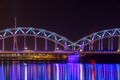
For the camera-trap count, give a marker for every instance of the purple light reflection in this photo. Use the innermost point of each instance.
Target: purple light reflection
(59, 71)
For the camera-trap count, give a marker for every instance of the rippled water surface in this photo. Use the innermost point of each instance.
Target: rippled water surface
(58, 71)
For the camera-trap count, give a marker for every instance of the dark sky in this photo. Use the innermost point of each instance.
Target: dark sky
(71, 18)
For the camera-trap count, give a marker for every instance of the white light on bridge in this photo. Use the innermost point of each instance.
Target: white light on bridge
(26, 48)
(57, 48)
(81, 50)
(118, 50)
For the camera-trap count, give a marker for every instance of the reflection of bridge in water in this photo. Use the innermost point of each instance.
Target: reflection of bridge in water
(34, 43)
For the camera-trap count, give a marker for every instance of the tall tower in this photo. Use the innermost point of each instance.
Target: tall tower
(15, 46)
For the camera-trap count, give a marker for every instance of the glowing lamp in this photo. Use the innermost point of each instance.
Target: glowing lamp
(81, 50)
(118, 50)
(26, 48)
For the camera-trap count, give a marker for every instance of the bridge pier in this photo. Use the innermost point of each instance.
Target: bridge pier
(3, 44)
(101, 44)
(73, 47)
(91, 46)
(15, 46)
(66, 46)
(118, 42)
(24, 41)
(56, 46)
(46, 46)
(35, 43)
(111, 43)
(13, 43)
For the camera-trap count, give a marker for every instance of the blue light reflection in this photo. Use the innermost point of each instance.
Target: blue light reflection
(59, 71)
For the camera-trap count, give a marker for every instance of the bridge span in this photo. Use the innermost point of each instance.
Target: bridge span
(29, 41)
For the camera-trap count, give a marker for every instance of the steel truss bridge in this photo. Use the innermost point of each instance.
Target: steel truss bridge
(40, 41)
(101, 41)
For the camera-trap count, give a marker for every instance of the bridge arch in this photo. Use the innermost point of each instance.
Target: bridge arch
(34, 33)
(104, 40)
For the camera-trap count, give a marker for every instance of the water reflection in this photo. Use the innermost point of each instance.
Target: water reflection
(59, 71)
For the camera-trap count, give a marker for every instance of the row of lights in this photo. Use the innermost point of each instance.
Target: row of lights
(117, 50)
(80, 49)
(27, 48)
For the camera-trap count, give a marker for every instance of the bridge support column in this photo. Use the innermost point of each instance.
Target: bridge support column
(92, 45)
(66, 46)
(56, 47)
(101, 44)
(89, 47)
(35, 43)
(24, 42)
(82, 47)
(111, 43)
(118, 42)
(15, 43)
(46, 46)
(3, 44)
(72, 47)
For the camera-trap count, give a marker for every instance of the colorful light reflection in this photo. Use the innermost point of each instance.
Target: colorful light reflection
(59, 71)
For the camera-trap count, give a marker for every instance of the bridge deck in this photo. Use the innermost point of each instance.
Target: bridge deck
(35, 55)
(37, 52)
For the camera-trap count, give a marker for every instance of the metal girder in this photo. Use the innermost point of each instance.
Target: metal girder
(97, 36)
(30, 31)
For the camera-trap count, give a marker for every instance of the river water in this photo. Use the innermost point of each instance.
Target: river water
(15, 70)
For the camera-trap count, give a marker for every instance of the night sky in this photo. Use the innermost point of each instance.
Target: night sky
(72, 19)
